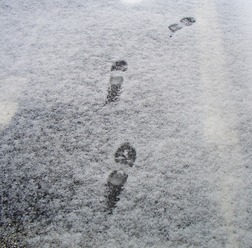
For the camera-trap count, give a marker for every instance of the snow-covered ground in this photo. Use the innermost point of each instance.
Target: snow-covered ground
(181, 112)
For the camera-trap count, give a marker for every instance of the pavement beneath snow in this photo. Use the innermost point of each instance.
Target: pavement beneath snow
(126, 123)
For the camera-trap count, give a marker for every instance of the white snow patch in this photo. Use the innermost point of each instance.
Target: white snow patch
(131, 1)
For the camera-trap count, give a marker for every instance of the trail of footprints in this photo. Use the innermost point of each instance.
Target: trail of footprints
(186, 21)
(125, 155)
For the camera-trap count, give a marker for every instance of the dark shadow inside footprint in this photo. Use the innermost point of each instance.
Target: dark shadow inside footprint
(125, 154)
(120, 65)
(116, 181)
(114, 89)
(174, 27)
(188, 21)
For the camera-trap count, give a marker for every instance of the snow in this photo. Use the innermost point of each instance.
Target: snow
(185, 106)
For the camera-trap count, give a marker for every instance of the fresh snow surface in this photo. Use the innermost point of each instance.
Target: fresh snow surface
(182, 104)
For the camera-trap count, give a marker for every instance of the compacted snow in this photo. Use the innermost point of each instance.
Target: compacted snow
(125, 123)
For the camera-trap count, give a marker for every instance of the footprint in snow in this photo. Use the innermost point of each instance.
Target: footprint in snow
(186, 21)
(126, 156)
(115, 82)
(114, 90)
(175, 27)
(115, 183)
(120, 65)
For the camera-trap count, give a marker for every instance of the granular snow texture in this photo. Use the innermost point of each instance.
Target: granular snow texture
(184, 109)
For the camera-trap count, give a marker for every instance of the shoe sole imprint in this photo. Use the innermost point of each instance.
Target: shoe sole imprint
(114, 90)
(120, 65)
(186, 21)
(125, 155)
